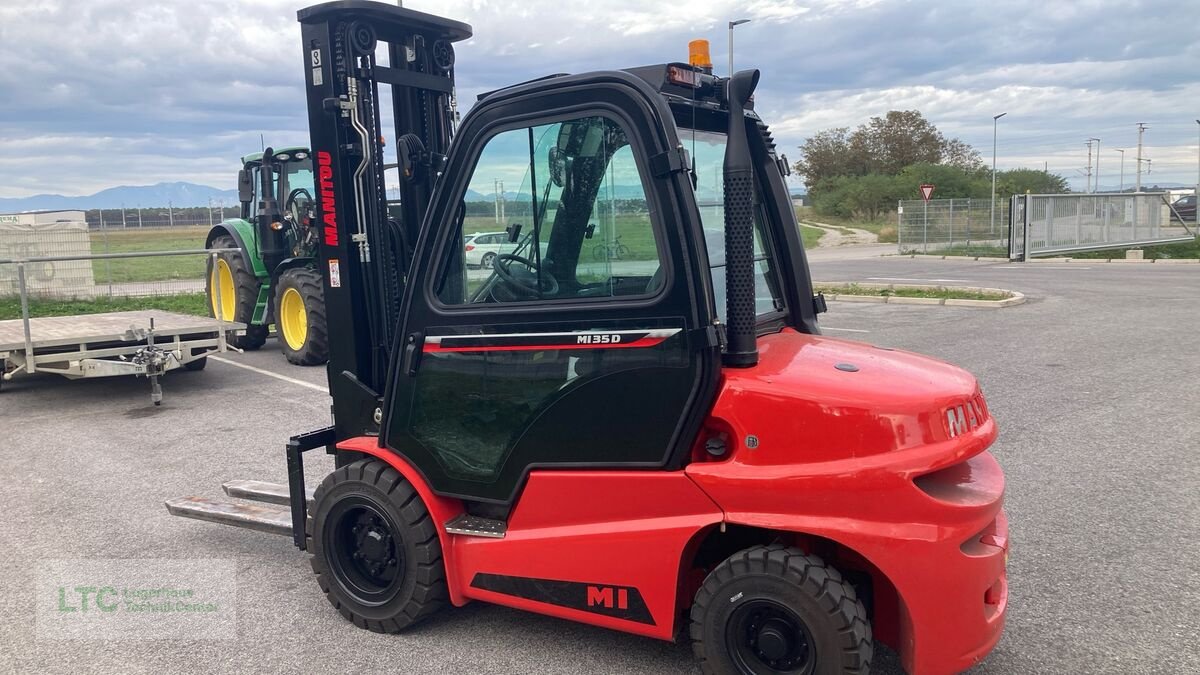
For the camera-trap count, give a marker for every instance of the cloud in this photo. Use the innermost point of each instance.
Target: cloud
(95, 93)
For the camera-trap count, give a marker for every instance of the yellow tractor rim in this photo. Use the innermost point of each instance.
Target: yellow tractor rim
(222, 278)
(293, 320)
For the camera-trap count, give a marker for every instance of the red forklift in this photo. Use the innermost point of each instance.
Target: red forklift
(659, 442)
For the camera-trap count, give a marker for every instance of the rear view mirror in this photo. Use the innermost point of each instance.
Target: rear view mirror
(245, 186)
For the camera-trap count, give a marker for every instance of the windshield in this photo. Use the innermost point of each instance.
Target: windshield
(708, 154)
(298, 175)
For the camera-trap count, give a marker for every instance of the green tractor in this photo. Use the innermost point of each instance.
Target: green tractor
(271, 277)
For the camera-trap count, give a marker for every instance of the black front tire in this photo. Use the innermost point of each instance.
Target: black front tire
(245, 293)
(367, 508)
(774, 609)
(315, 349)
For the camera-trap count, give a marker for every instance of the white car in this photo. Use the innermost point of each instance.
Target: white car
(483, 247)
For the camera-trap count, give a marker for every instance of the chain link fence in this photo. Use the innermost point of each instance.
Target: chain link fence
(953, 227)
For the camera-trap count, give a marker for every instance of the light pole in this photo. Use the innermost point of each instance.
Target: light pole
(995, 124)
(737, 22)
(1198, 166)
(1122, 168)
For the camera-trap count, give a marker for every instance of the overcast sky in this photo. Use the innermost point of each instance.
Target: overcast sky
(97, 93)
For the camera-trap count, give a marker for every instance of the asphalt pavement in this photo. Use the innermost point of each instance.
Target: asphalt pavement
(1095, 382)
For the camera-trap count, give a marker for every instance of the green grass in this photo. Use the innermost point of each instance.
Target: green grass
(884, 229)
(811, 235)
(946, 293)
(184, 303)
(165, 268)
(1187, 249)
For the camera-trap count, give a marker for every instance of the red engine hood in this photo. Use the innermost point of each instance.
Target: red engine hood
(826, 399)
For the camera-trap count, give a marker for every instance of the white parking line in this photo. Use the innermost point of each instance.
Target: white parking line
(953, 281)
(1019, 266)
(268, 373)
(845, 330)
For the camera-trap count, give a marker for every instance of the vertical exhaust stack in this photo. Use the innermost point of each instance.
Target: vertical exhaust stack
(271, 245)
(742, 347)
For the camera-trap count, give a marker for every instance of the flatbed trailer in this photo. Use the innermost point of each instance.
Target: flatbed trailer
(146, 343)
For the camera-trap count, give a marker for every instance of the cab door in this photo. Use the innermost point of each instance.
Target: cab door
(587, 344)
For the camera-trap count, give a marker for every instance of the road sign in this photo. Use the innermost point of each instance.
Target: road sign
(926, 191)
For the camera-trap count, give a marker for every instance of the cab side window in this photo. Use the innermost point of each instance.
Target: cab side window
(571, 202)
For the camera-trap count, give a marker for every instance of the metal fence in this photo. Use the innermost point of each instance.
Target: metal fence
(952, 226)
(67, 261)
(1053, 224)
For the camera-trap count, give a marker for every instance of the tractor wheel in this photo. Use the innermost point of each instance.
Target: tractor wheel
(239, 293)
(375, 549)
(774, 609)
(300, 317)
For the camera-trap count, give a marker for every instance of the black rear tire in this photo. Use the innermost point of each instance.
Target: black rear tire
(397, 578)
(315, 348)
(197, 365)
(245, 293)
(774, 609)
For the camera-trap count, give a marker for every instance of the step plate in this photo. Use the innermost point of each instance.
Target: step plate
(269, 519)
(474, 526)
(259, 491)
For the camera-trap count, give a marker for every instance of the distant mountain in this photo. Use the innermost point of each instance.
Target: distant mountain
(177, 194)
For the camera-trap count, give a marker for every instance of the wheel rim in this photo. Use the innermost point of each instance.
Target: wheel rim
(764, 634)
(293, 319)
(222, 278)
(365, 551)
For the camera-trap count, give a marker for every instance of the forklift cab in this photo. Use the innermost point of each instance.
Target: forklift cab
(597, 341)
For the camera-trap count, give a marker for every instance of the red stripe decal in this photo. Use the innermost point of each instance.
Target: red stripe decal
(641, 343)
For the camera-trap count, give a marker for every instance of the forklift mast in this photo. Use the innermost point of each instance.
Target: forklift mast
(351, 47)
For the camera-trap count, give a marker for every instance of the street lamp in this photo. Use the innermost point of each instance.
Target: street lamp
(1096, 183)
(1198, 167)
(738, 22)
(995, 123)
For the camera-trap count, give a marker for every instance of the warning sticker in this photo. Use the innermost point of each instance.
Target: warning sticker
(335, 274)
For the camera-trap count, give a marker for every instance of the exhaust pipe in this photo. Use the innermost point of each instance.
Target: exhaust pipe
(742, 347)
(271, 244)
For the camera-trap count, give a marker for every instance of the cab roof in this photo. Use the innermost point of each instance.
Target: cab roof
(256, 157)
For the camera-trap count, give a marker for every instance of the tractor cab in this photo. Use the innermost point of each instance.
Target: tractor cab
(291, 180)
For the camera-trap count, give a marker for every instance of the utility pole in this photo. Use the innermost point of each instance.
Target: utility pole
(122, 216)
(139, 210)
(1089, 167)
(1138, 181)
(1122, 168)
(1097, 189)
(995, 123)
(170, 213)
(1198, 165)
(210, 222)
(737, 22)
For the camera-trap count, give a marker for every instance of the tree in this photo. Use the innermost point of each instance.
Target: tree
(1020, 181)
(825, 154)
(884, 145)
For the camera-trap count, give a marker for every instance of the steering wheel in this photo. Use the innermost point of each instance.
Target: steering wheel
(295, 206)
(527, 282)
